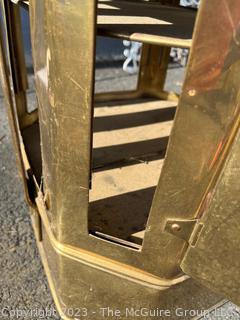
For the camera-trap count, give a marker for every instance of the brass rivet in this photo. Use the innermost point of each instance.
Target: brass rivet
(176, 227)
(192, 92)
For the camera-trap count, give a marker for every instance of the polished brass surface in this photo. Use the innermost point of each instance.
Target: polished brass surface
(66, 183)
(205, 118)
(190, 214)
(65, 80)
(217, 249)
(153, 70)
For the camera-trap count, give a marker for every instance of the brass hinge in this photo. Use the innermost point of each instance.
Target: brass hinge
(188, 230)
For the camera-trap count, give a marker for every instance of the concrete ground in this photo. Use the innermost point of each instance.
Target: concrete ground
(23, 285)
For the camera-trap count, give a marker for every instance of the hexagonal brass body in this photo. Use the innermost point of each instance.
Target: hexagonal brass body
(86, 271)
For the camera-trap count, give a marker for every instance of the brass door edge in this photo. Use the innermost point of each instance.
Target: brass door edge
(102, 263)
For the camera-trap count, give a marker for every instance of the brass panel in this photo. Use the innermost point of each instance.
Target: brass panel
(204, 123)
(81, 266)
(215, 259)
(198, 131)
(63, 40)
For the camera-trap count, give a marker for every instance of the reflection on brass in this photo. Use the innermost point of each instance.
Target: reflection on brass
(98, 245)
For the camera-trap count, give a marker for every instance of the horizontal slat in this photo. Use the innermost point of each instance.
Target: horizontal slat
(145, 22)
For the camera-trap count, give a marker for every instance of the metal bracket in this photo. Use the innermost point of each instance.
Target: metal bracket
(188, 230)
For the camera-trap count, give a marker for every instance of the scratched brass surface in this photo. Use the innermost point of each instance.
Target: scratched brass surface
(64, 67)
(197, 132)
(217, 250)
(204, 122)
(62, 81)
(79, 265)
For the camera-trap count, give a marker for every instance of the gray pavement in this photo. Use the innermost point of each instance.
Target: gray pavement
(23, 285)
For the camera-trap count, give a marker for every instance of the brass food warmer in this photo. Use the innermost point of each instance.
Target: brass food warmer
(90, 191)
